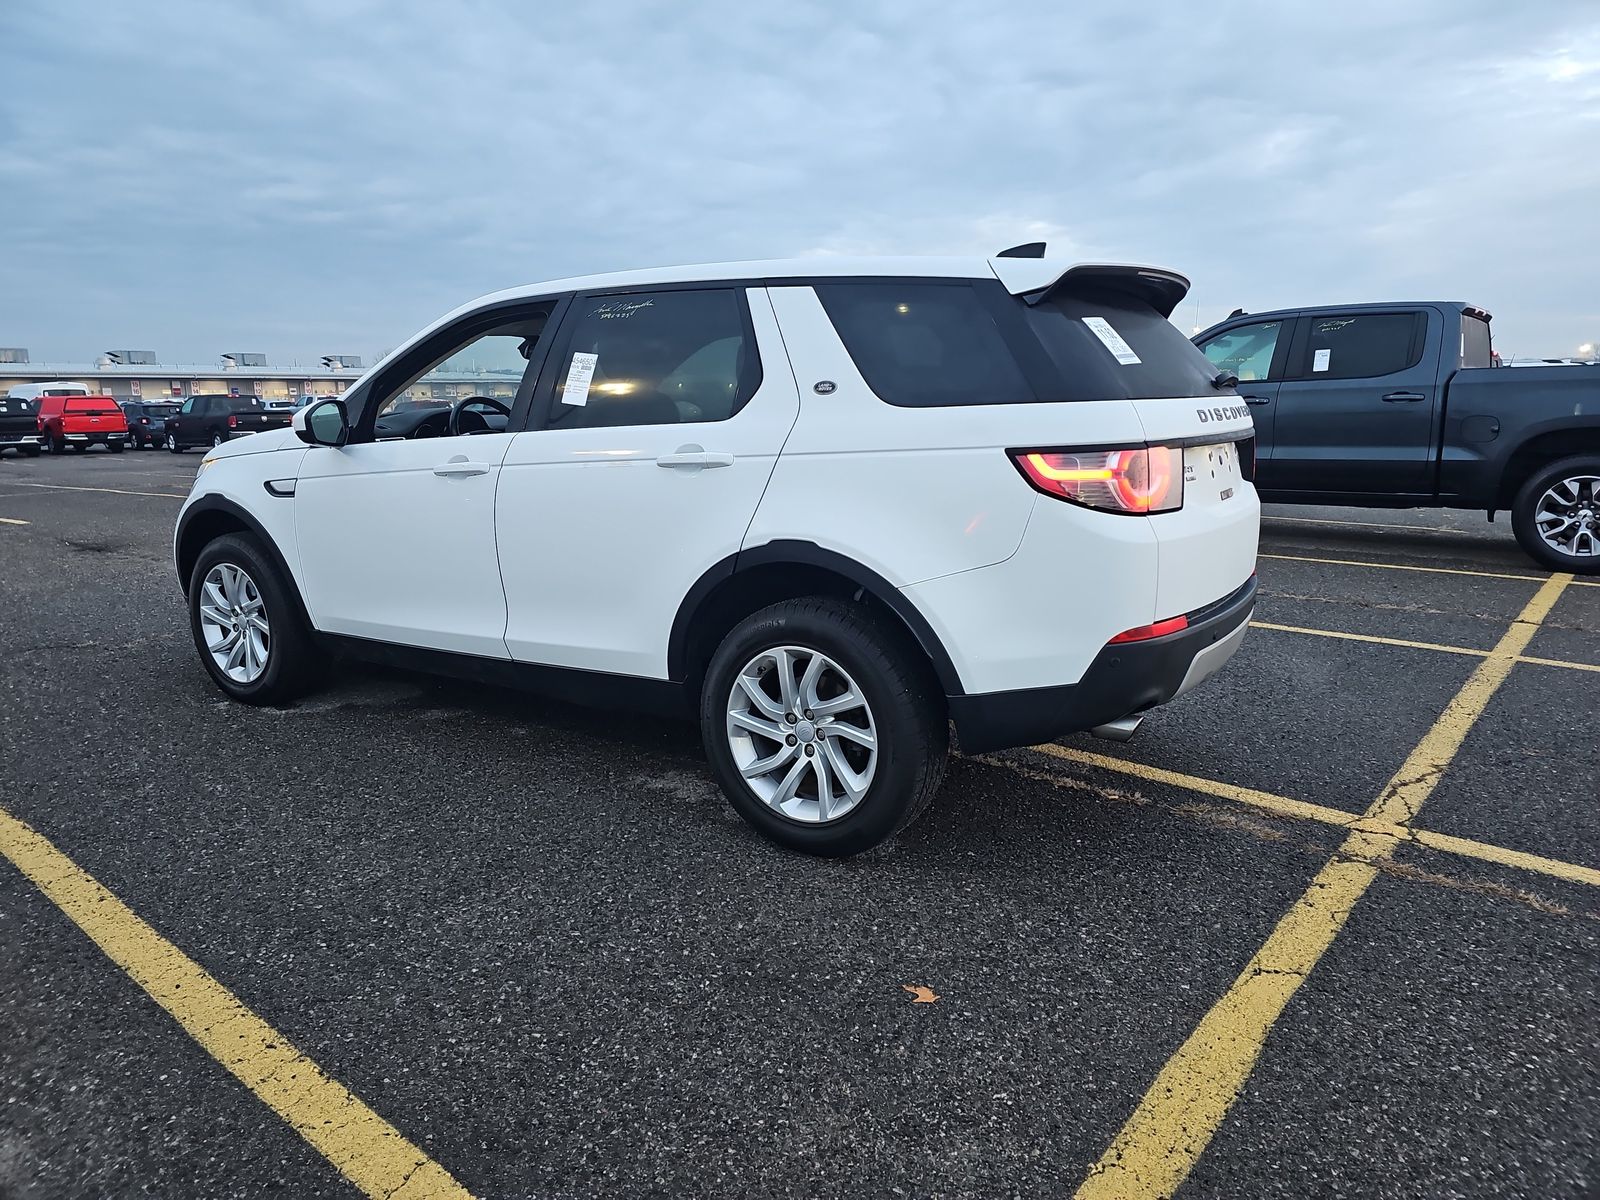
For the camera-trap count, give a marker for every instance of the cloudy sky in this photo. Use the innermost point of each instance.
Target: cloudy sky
(322, 176)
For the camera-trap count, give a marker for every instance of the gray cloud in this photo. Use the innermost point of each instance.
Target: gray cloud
(307, 177)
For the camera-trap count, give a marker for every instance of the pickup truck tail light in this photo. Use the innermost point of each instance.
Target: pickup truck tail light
(233, 421)
(1141, 480)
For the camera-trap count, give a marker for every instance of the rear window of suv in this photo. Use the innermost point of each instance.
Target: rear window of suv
(922, 343)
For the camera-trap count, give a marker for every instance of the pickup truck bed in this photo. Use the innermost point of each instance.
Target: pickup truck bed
(19, 427)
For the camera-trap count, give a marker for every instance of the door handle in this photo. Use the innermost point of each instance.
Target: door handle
(460, 466)
(695, 457)
(1258, 399)
(1403, 397)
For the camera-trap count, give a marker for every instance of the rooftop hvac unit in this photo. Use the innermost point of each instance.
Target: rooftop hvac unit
(13, 354)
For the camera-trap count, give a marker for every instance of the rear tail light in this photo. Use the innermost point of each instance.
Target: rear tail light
(1143, 633)
(233, 421)
(1146, 479)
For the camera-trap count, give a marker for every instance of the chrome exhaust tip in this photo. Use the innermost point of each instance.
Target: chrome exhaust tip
(1121, 730)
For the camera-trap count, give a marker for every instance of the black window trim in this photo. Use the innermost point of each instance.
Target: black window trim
(1300, 360)
(556, 351)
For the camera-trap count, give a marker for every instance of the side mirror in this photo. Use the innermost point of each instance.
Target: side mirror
(322, 424)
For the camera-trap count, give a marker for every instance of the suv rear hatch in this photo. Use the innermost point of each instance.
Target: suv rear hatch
(1106, 336)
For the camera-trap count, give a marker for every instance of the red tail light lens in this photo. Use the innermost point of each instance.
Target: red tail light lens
(1143, 633)
(233, 422)
(1148, 479)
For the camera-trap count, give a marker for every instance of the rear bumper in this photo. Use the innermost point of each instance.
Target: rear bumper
(19, 439)
(1122, 680)
(99, 437)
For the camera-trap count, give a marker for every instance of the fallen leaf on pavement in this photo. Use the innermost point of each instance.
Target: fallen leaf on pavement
(920, 994)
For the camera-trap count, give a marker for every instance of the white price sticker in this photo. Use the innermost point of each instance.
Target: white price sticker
(1112, 340)
(579, 375)
(1319, 360)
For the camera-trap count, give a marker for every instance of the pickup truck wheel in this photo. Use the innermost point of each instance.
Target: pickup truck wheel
(246, 625)
(31, 451)
(216, 440)
(115, 447)
(1556, 515)
(824, 726)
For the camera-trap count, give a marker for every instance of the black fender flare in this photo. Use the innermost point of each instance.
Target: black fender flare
(808, 554)
(221, 504)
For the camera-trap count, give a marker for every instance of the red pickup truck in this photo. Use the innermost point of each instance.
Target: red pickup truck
(81, 422)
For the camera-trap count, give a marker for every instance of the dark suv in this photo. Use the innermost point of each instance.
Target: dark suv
(212, 419)
(147, 423)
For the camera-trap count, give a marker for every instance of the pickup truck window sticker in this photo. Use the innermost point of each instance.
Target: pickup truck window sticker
(1112, 340)
(1320, 360)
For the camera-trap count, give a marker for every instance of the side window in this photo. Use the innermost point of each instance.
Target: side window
(924, 345)
(188, 406)
(481, 364)
(1363, 345)
(1476, 348)
(1247, 350)
(653, 358)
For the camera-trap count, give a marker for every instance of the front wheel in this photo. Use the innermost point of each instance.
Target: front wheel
(172, 444)
(824, 726)
(1556, 515)
(247, 627)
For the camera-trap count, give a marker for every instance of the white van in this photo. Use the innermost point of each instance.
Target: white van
(32, 391)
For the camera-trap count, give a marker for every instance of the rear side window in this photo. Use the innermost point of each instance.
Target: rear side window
(1476, 347)
(1246, 351)
(1363, 345)
(653, 358)
(925, 345)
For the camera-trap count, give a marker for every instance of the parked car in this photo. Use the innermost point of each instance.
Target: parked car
(19, 426)
(829, 505)
(147, 423)
(1384, 405)
(79, 421)
(211, 420)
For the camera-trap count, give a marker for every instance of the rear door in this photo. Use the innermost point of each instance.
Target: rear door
(658, 420)
(1357, 409)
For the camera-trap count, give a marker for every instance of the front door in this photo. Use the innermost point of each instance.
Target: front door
(1355, 416)
(1255, 353)
(660, 418)
(396, 530)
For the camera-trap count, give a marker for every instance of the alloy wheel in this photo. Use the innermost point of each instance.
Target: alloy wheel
(234, 623)
(1568, 516)
(802, 734)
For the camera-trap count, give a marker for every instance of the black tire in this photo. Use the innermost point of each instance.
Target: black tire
(293, 657)
(1527, 503)
(32, 451)
(172, 444)
(115, 447)
(79, 447)
(906, 702)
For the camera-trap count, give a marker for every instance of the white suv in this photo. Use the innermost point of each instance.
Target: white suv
(834, 506)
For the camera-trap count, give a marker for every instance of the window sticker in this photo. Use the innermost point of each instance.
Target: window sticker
(1112, 340)
(1319, 360)
(579, 375)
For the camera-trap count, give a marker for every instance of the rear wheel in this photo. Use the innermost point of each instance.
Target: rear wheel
(246, 625)
(216, 440)
(824, 726)
(1556, 515)
(115, 447)
(31, 451)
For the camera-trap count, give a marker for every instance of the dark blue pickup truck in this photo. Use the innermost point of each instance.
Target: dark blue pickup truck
(1396, 405)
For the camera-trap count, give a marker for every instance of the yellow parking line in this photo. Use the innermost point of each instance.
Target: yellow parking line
(366, 1149)
(1284, 806)
(1175, 1121)
(11, 521)
(1410, 645)
(1368, 637)
(63, 487)
(1351, 562)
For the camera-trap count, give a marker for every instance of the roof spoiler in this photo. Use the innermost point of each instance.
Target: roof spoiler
(1162, 290)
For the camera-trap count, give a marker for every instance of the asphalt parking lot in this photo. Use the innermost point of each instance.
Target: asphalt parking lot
(1327, 927)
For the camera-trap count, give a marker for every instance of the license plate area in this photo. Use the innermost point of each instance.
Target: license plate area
(1211, 474)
